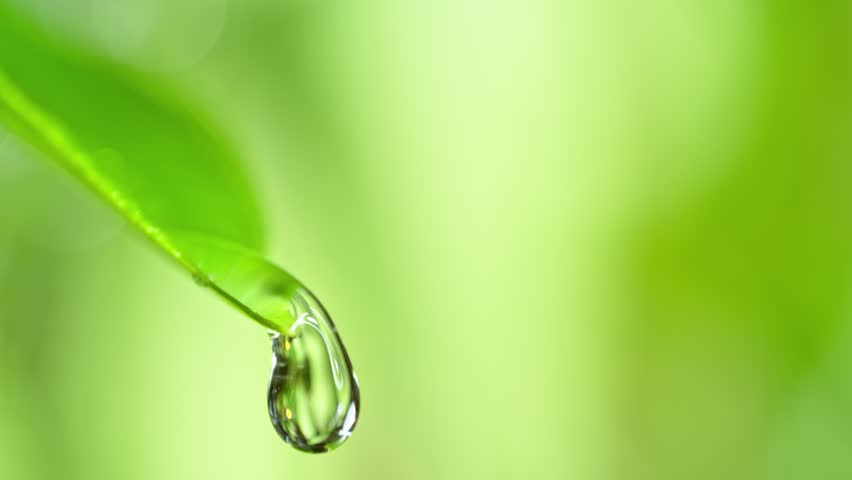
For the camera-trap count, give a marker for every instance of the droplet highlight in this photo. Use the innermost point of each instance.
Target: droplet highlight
(313, 391)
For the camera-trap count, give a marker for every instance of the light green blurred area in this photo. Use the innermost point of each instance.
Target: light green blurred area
(560, 240)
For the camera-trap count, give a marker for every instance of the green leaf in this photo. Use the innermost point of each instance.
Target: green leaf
(147, 155)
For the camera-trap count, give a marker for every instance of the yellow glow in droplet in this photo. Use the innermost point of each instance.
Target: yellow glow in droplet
(288, 414)
(286, 345)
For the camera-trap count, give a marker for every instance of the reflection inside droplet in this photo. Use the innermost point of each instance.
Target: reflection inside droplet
(313, 391)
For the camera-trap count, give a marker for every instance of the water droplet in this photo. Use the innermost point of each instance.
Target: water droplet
(313, 396)
(313, 391)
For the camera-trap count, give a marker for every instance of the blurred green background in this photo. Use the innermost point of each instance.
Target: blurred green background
(592, 240)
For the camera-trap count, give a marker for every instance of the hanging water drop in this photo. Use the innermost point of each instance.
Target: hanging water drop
(313, 396)
(313, 391)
